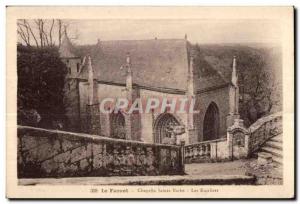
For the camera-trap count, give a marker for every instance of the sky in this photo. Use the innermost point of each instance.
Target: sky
(198, 31)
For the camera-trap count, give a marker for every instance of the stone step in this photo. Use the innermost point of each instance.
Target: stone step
(276, 139)
(277, 160)
(273, 151)
(274, 144)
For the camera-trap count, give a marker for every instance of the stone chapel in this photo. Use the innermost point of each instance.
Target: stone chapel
(146, 68)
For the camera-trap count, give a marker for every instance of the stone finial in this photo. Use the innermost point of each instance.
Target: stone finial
(90, 81)
(65, 30)
(234, 73)
(191, 88)
(128, 63)
(128, 60)
(129, 73)
(191, 65)
(90, 68)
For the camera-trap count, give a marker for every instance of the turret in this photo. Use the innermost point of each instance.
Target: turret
(68, 56)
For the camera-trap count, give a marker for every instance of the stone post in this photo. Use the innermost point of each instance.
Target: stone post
(247, 148)
(235, 134)
(93, 119)
(230, 144)
(182, 153)
(92, 107)
(192, 133)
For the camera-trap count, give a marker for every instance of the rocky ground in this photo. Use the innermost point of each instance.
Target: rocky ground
(267, 174)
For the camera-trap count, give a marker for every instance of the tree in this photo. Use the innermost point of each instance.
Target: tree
(258, 69)
(41, 78)
(42, 32)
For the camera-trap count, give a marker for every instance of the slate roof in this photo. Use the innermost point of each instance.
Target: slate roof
(160, 63)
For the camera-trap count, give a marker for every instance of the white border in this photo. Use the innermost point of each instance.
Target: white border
(94, 2)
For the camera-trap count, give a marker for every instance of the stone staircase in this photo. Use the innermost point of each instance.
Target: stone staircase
(273, 147)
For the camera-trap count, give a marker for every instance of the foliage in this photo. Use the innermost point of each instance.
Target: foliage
(259, 71)
(41, 76)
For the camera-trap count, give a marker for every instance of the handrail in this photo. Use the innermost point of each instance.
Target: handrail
(207, 142)
(257, 124)
(263, 129)
(94, 138)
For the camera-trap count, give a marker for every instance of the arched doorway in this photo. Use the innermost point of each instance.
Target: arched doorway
(163, 127)
(211, 123)
(118, 125)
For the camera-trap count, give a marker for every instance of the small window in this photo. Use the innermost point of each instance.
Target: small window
(78, 67)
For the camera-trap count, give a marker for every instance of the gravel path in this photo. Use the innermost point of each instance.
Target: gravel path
(237, 167)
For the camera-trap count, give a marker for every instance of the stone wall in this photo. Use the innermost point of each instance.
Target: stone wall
(52, 153)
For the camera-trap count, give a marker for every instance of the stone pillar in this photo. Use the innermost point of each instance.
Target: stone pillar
(235, 134)
(92, 107)
(192, 133)
(93, 119)
(182, 155)
(230, 144)
(233, 97)
(105, 124)
(132, 120)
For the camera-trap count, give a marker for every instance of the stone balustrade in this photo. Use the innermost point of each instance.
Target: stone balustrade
(244, 141)
(239, 143)
(263, 129)
(53, 153)
(206, 151)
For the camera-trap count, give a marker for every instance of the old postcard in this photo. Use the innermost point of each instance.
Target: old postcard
(150, 102)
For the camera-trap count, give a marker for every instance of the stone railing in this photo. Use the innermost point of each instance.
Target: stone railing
(263, 129)
(53, 153)
(242, 142)
(239, 143)
(206, 151)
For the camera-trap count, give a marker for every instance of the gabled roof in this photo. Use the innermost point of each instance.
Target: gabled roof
(159, 63)
(155, 63)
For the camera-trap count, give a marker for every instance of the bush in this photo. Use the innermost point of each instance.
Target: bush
(41, 76)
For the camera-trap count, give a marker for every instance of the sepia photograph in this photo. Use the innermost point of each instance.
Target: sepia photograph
(153, 106)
